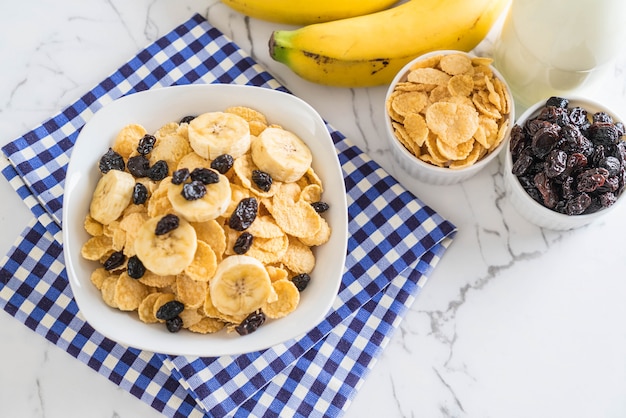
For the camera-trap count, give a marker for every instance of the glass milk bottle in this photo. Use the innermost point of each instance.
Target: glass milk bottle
(558, 47)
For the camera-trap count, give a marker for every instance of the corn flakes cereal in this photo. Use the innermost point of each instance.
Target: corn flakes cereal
(320, 237)
(429, 76)
(409, 102)
(97, 277)
(297, 218)
(284, 230)
(190, 292)
(157, 281)
(416, 128)
(287, 302)
(277, 273)
(192, 161)
(127, 139)
(213, 234)
(454, 124)
(108, 291)
(96, 247)
(466, 104)
(207, 326)
(93, 227)
(191, 317)
(456, 64)
(128, 293)
(146, 311)
(204, 263)
(298, 258)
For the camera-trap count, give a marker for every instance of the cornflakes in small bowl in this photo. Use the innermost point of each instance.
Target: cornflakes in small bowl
(448, 114)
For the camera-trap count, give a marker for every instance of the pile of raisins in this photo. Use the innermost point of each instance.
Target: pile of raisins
(569, 160)
(138, 165)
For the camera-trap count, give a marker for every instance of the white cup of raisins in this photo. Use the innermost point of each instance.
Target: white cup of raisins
(565, 165)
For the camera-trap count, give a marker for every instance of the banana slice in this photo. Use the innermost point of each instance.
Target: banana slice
(215, 133)
(210, 206)
(166, 254)
(281, 154)
(241, 285)
(113, 194)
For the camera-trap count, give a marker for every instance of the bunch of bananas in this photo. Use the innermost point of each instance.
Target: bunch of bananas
(360, 43)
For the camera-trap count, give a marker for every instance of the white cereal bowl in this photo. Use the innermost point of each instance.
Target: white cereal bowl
(422, 170)
(153, 109)
(534, 211)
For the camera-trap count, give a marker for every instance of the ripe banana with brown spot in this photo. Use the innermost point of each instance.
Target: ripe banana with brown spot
(369, 50)
(304, 12)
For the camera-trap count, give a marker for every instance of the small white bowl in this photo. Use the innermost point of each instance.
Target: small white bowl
(153, 109)
(534, 211)
(422, 170)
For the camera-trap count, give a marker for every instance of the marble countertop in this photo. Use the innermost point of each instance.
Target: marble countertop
(516, 321)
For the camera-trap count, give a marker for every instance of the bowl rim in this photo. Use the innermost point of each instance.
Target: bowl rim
(480, 164)
(514, 181)
(206, 97)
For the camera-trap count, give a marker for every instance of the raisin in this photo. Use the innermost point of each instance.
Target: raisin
(115, 260)
(522, 164)
(578, 117)
(567, 188)
(578, 204)
(205, 176)
(533, 125)
(262, 179)
(544, 140)
(611, 184)
(174, 325)
(607, 199)
(138, 166)
(547, 190)
(243, 243)
(557, 102)
(553, 114)
(598, 155)
(602, 117)
(611, 164)
(194, 190)
(518, 141)
(146, 144)
(135, 267)
(166, 224)
(251, 323)
(186, 119)
(320, 207)
(603, 133)
(244, 214)
(170, 310)
(556, 163)
(301, 281)
(111, 160)
(158, 171)
(576, 161)
(140, 194)
(180, 176)
(590, 179)
(222, 163)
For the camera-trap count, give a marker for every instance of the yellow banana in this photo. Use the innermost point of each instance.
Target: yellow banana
(305, 12)
(369, 50)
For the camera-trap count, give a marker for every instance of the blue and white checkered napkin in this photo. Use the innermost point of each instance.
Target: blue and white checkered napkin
(394, 243)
